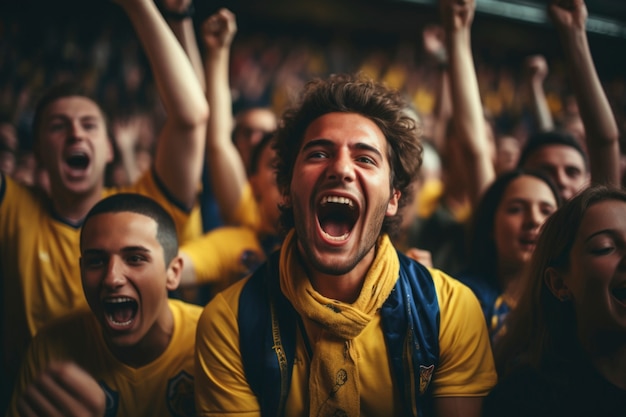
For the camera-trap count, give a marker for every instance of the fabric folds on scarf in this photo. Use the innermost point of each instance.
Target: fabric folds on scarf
(334, 377)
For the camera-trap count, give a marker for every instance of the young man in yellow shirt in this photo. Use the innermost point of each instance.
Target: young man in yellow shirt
(339, 322)
(134, 341)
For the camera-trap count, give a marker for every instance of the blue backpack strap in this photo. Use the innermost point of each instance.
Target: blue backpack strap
(267, 337)
(410, 320)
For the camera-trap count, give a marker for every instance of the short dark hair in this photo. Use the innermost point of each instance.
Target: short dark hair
(140, 204)
(352, 93)
(553, 137)
(59, 91)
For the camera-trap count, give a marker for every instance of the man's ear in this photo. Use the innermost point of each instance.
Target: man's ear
(392, 206)
(556, 284)
(174, 272)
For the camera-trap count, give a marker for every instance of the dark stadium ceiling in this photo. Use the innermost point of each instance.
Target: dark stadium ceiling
(607, 17)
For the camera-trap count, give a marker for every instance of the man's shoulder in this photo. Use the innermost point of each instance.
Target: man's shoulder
(446, 284)
(23, 197)
(227, 299)
(185, 310)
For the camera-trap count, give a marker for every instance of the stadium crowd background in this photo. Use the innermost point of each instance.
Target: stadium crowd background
(279, 46)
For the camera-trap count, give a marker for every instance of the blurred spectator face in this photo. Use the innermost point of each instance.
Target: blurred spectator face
(73, 145)
(7, 161)
(266, 192)
(250, 126)
(507, 154)
(525, 205)
(8, 148)
(8, 135)
(564, 164)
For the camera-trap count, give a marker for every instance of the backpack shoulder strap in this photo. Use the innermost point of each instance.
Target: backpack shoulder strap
(410, 319)
(267, 337)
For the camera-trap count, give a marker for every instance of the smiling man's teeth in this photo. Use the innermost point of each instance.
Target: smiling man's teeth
(119, 300)
(125, 323)
(120, 311)
(337, 200)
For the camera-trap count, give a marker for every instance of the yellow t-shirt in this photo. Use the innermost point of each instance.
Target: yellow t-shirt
(224, 255)
(465, 368)
(152, 390)
(39, 256)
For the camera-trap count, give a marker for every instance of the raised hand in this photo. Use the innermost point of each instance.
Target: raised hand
(178, 6)
(457, 14)
(568, 14)
(63, 389)
(219, 29)
(434, 43)
(536, 68)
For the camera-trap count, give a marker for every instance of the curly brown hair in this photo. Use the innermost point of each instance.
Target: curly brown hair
(352, 93)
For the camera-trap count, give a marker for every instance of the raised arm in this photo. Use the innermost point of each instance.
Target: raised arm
(536, 70)
(180, 146)
(179, 16)
(226, 170)
(468, 118)
(601, 132)
(434, 45)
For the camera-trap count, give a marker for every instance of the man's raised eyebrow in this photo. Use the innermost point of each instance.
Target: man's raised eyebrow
(62, 116)
(317, 142)
(370, 148)
(326, 142)
(135, 249)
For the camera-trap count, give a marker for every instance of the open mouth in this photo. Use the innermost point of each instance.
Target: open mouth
(77, 160)
(120, 311)
(337, 216)
(619, 294)
(528, 242)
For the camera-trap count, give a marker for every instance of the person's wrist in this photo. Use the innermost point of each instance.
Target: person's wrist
(178, 15)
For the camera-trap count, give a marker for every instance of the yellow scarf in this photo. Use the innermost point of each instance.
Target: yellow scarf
(334, 377)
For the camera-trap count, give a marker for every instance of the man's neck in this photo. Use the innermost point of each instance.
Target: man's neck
(72, 207)
(346, 287)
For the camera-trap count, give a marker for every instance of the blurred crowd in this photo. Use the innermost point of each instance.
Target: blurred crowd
(267, 69)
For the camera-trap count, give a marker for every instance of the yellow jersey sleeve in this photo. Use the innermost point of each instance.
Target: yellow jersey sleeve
(221, 386)
(466, 367)
(224, 255)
